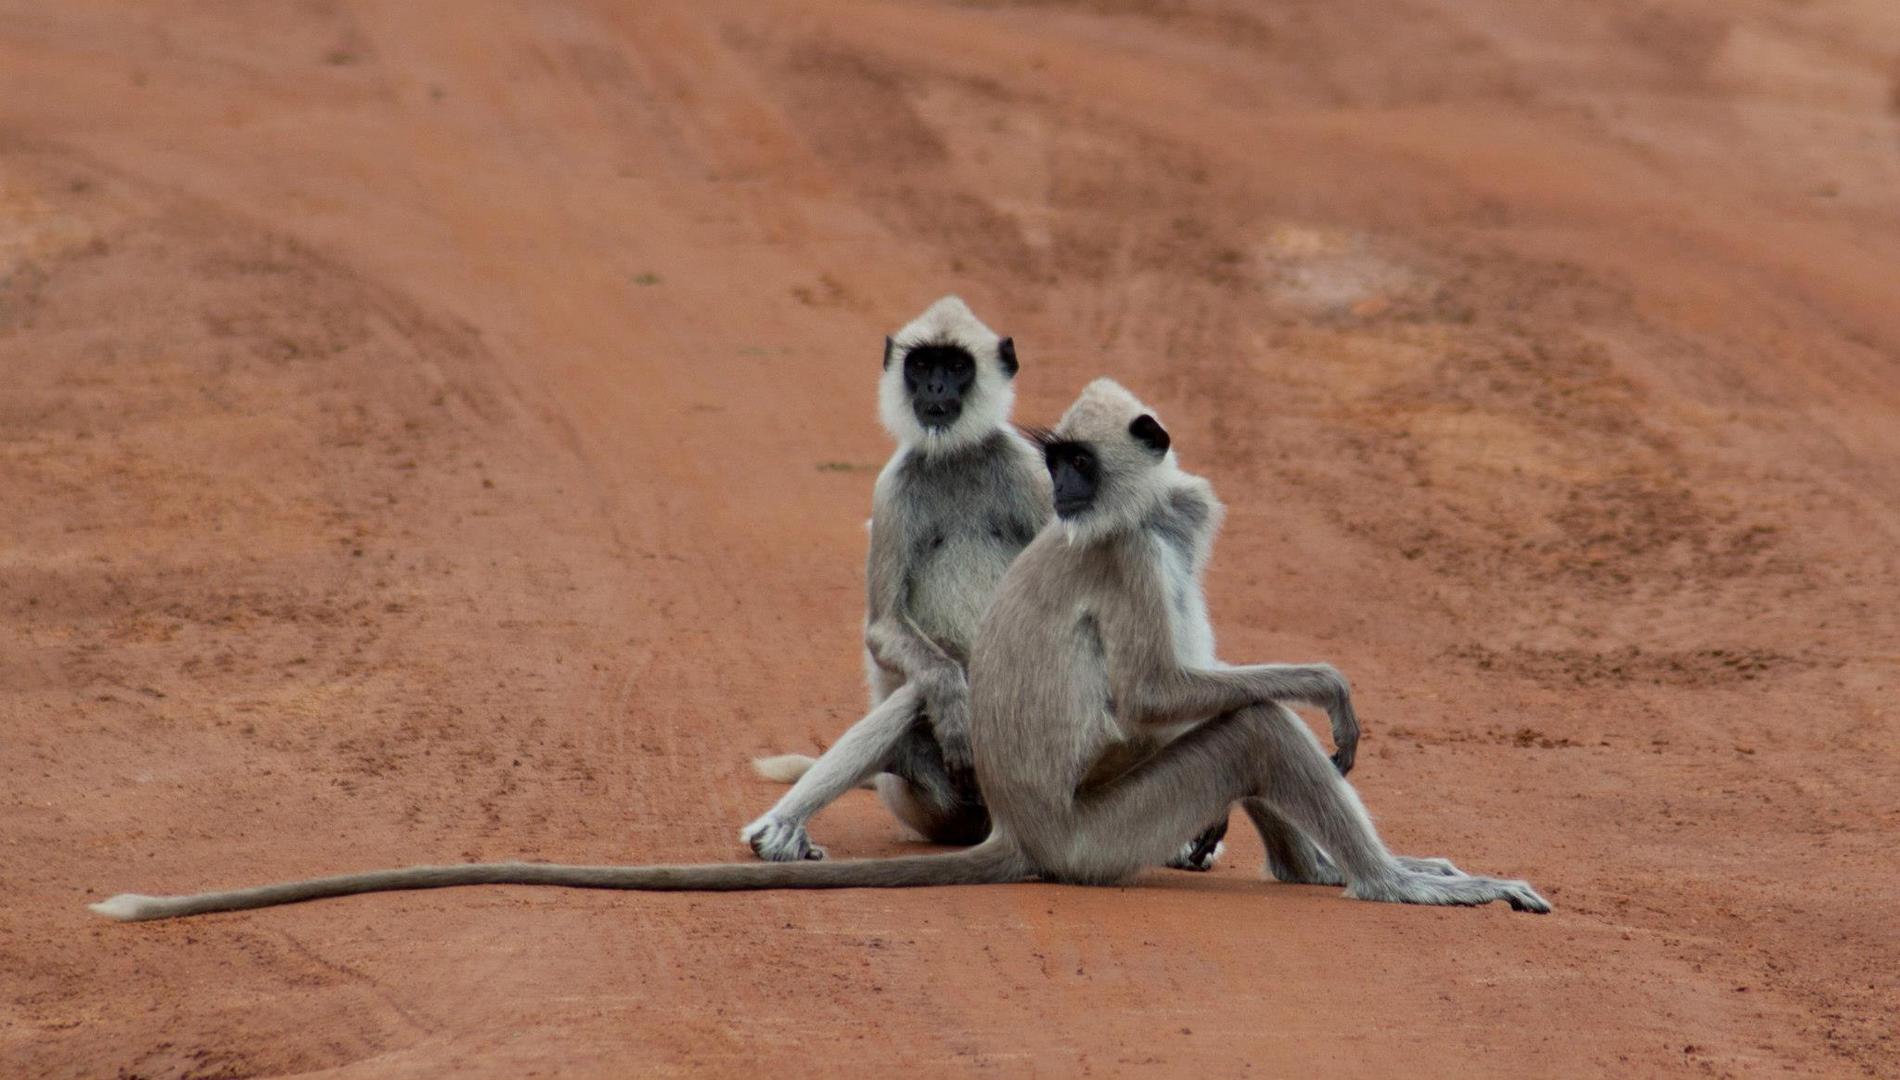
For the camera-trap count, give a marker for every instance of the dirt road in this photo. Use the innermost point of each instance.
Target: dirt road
(438, 431)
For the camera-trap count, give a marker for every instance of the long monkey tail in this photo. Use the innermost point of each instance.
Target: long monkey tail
(994, 861)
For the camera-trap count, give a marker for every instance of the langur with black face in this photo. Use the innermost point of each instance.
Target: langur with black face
(963, 493)
(1098, 640)
(1095, 639)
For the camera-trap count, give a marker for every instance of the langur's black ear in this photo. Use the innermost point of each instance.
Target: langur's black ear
(1006, 355)
(889, 348)
(1150, 434)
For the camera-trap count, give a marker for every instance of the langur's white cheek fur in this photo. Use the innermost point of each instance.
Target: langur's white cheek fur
(991, 395)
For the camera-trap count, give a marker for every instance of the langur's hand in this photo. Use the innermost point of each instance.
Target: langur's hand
(948, 706)
(1345, 734)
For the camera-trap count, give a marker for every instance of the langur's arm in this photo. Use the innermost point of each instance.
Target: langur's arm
(893, 640)
(1153, 689)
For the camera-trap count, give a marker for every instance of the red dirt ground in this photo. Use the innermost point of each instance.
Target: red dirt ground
(440, 431)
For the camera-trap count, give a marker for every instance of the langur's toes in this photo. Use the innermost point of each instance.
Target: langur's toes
(1423, 887)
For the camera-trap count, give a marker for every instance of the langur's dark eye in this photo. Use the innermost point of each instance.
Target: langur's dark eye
(1073, 456)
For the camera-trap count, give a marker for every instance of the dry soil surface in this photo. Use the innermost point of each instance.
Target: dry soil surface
(441, 431)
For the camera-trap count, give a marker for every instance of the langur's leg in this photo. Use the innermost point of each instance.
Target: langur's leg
(1202, 852)
(1291, 857)
(1294, 859)
(919, 790)
(1262, 752)
(779, 835)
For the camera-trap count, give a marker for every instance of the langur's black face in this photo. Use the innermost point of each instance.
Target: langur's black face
(1075, 474)
(1075, 466)
(937, 378)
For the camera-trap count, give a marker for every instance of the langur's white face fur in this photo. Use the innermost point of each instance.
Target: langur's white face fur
(948, 380)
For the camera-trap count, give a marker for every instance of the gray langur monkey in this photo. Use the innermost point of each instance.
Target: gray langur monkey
(1099, 636)
(961, 496)
(963, 493)
(1096, 631)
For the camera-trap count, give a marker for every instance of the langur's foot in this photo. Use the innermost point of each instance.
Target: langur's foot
(1404, 886)
(1193, 856)
(776, 840)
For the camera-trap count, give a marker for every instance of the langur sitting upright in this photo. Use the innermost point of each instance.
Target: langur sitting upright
(961, 496)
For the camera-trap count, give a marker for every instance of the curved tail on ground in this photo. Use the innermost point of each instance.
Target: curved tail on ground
(994, 861)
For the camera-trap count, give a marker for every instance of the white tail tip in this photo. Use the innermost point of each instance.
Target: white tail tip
(785, 768)
(127, 907)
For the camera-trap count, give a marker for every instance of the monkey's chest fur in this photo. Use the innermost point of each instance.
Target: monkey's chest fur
(973, 513)
(952, 585)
